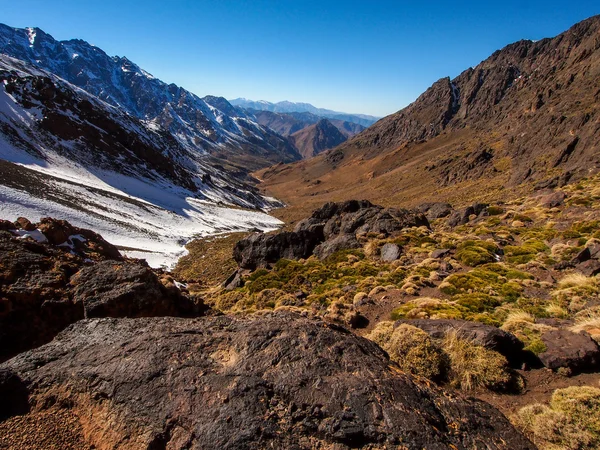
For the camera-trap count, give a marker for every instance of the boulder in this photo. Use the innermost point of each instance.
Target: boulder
(280, 380)
(575, 351)
(24, 224)
(341, 242)
(440, 253)
(333, 227)
(589, 268)
(122, 289)
(390, 252)
(487, 336)
(462, 216)
(45, 287)
(553, 200)
(434, 210)
(261, 250)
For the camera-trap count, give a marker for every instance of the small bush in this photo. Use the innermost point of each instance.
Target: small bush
(475, 253)
(415, 352)
(473, 366)
(571, 421)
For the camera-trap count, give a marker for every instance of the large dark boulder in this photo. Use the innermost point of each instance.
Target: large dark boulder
(575, 351)
(45, 287)
(341, 242)
(333, 227)
(462, 216)
(261, 250)
(275, 381)
(434, 210)
(124, 289)
(487, 336)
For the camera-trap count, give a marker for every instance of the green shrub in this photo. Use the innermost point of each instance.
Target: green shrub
(474, 253)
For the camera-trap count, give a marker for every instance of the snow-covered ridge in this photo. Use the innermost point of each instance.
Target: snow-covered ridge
(67, 154)
(203, 125)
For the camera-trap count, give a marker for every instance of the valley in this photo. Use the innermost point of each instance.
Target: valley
(184, 272)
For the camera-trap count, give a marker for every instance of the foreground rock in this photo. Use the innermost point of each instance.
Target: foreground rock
(46, 286)
(275, 381)
(333, 227)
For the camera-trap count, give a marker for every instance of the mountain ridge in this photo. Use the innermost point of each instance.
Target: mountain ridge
(199, 124)
(291, 107)
(525, 118)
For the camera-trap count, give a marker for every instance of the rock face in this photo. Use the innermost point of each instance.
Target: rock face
(45, 287)
(275, 381)
(575, 351)
(485, 335)
(333, 227)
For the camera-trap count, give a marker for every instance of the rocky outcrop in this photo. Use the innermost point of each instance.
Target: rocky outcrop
(575, 351)
(274, 381)
(485, 335)
(333, 227)
(45, 286)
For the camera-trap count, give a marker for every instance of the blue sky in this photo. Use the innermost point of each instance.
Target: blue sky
(353, 56)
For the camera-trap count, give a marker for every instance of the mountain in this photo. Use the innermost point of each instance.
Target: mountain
(65, 153)
(208, 125)
(314, 139)
(291, 107)
(305, 132)
(286, 124)
(525, 118)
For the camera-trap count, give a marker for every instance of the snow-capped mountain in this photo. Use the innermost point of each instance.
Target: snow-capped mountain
(67, 154)
(293, 107)
(210, 124)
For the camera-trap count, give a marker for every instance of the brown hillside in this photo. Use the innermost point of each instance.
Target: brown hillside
(523, 119)
(314, 139)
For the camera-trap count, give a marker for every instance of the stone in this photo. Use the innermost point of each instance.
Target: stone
(434, 210)
(342, 242)
(589, 268)
(234, 281)
(390, 252)
(553, 200)
(24, 224)
(575, 351)
(440, 253)
(361, 298)
(275, 381)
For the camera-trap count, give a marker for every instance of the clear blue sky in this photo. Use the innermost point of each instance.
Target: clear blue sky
(371, 57)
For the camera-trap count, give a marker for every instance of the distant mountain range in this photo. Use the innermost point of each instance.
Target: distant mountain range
(291, 107)
(308, 133)
(210, 124)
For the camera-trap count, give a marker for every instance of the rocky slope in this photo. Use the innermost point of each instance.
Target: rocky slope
(314, 139)
(53, 274)
(291, 107)
(526, 117)
(274, 381)
(204, 125)
(66, 153)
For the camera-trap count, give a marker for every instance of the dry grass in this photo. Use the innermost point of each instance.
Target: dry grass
(579, 281)
(557, 311)
(473, 366)
(589, 321)
(411, 348)
(570, 422)
(516, 318)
